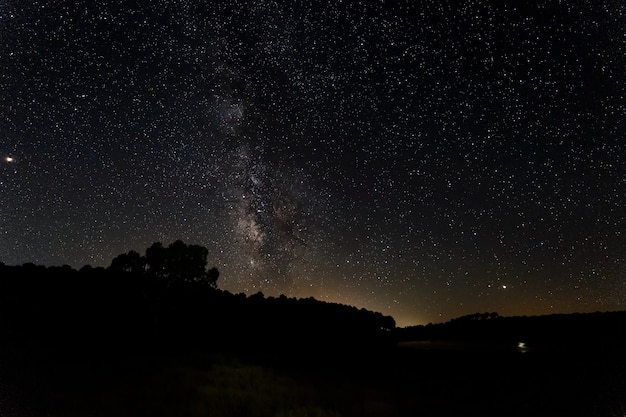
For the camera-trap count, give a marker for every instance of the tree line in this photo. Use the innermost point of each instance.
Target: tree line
(576, 329)
(168, 299)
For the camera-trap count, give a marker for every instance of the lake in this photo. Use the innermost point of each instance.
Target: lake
(467, 346)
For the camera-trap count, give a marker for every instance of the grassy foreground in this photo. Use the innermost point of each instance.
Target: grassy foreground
(197, 385)
(396, 383)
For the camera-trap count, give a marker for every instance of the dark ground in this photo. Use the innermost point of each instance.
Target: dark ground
(568, 381)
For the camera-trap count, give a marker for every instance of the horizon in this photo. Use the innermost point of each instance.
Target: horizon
(399, 323)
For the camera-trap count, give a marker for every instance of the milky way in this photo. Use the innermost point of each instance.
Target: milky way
(271, 221)
(423, 159)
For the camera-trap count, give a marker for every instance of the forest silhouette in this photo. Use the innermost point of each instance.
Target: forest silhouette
(169, 297)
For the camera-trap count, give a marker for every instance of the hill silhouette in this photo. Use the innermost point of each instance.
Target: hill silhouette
(579, 330)
(169, 299)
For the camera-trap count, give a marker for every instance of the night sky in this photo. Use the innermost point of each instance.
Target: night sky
(424, 159)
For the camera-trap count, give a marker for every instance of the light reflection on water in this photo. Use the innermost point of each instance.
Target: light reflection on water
(520, 347)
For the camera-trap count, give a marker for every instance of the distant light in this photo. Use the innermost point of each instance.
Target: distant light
(9, 159)
(504, 287)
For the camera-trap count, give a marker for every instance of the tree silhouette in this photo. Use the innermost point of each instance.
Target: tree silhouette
(156, 258)
(180, 262)
(129, 262)
(211, 276)
(186, 262)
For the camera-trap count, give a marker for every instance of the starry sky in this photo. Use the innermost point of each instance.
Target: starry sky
(425, 159)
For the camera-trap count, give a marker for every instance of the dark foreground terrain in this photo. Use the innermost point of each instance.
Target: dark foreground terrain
(402, 381)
